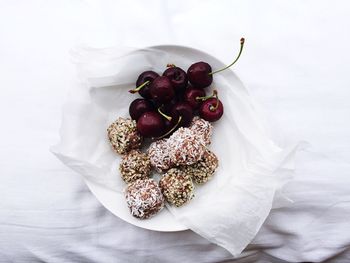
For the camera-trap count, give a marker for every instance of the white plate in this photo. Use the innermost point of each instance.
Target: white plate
(114, 201)
(77, 148)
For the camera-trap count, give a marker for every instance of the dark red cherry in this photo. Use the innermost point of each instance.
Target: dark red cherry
(168, 107)
(181, 115)
(211, 110)
(199, 74)
(139, 106)
(171, 124)
(180, 95)
(150, 124)
(143, 83)
(155, 104)
(184, 110)
(162, 90)
(177, 77)
(192, 96)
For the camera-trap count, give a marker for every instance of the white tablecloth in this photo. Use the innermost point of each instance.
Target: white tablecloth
(296, 65)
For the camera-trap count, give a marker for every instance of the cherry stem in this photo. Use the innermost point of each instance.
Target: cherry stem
(239, 54)
(164, 115)
(172, 129)
(170, 65)
(139, 87)
(214, 95)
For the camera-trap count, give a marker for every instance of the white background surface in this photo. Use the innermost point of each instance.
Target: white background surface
(296, 65)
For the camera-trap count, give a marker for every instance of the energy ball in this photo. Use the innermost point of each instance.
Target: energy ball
(144, 198)
(158, 153)
(177, 187)
(202, 128)
(185, 147)
(123, 135)
(135, 165)
(204, 169)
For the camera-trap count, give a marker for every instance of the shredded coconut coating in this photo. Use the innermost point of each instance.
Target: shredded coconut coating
(202, 128)
(123, 135)
(135, 165)
(185, 147)
(204, 169)
(159, 154)
(177, 187)
(144, 198)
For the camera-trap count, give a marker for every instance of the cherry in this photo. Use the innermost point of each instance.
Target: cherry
(150, 124)
(211, 109)
(138, 107)
(155, 104)
(168, 107)
(184, 110)
(179, 96)
(162, 90)
(200, 74)
(180, 109)
(177, 77)
(143, 83)
(170, 124)
(170, 127)
(192, 97)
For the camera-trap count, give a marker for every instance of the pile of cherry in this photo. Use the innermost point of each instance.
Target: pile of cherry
(170, 101)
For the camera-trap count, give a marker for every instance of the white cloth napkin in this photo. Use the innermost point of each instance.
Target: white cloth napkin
(228, 210)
